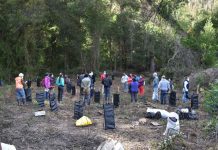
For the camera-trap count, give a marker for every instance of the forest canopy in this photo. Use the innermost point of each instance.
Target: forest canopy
(71, 36)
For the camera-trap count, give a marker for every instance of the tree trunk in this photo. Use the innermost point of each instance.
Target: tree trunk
(95, 51)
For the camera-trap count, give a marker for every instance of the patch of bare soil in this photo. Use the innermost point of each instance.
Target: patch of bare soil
(57, 131)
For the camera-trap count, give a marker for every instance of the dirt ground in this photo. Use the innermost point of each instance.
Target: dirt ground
(57, 131)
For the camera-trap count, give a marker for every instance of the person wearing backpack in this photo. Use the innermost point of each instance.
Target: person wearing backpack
(107, 82)
(60, 84)
(20, 93)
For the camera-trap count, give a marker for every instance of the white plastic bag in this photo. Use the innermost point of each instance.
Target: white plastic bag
(172, 123)
(7, 147)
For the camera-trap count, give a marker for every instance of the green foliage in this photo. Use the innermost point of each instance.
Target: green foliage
(172, 142)
(211, 100)
(84, 35)
(210, 126)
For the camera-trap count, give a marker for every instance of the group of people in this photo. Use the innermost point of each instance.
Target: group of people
(165, 86)
(48, 82)
(134, 84)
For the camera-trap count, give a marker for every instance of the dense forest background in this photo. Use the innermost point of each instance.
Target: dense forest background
(170, 36)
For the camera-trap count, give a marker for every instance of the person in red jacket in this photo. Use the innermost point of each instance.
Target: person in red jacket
(130, 77)
(141, 85)
(102, 77)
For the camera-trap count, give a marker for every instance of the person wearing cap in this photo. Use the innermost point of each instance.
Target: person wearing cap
(155, 87)
(60, 84)
(164, 87)
(20, 93)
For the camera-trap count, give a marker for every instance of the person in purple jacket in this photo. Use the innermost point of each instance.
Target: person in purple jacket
(134, 90)
(47, 85)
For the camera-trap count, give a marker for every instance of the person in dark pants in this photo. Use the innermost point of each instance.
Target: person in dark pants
(164, 87)
(107, 82)
(60, 84)
(134, 90)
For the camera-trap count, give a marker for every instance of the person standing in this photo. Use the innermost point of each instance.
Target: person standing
(164, 87)
(155, 87)
(20, 93)
(134, 90)
(107, 82)
(141, 85)
(92, 87)
(171, 85)
(47, 81)
(86, 84)
(102, 77)
(60, 84)
(124, 81)
(185, 96)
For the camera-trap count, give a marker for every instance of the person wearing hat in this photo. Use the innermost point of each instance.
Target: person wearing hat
(155, 87)
(20, 93)
(164, 87)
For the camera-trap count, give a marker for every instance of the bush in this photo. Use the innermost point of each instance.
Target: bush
(211, 100)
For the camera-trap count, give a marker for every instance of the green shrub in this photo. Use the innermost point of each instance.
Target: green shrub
(211, 100)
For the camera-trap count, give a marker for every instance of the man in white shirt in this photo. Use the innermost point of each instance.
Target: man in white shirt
(185, 96)
(124, 81)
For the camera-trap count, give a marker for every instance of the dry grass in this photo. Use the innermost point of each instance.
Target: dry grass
(56, 131)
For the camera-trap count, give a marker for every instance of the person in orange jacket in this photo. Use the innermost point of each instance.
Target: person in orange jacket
(20, 93)
(141, 86)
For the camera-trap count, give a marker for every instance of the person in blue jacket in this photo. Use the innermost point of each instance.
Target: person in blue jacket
(134, 90)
